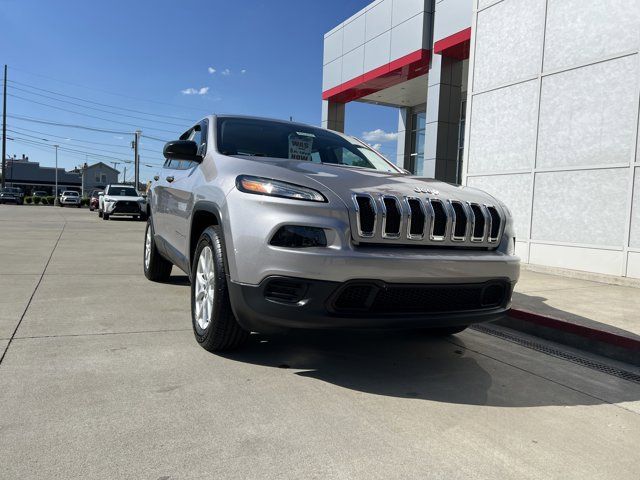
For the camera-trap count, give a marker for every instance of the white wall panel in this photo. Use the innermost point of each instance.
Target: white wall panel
(634, 240)
(353, 34)
(579, 31)
(608, 262)
(403, 10)
(503, 129)
(633, 265)
(332, 47)
(587, 115)
(377, 51)
(522, 250)
(407, 37)
(378, 19)
(332, 74)
(584, 207)
(451, 17)
(515, 191)
(353, 64)
(508, 42)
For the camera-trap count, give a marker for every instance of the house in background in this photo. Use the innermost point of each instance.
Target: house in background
(98, 176)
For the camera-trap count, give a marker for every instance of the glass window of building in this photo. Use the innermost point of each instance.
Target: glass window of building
(417, 122)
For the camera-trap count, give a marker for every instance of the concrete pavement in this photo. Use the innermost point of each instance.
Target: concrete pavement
(103, 379)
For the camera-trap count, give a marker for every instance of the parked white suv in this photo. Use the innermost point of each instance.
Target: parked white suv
(122, 200)
(71, 198)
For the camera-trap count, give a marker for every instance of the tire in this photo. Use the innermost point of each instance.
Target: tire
(214, 324)
(79, 205)
(157, 269)
(105, 216)
(100, 213)
(445, 331)
(91, 209)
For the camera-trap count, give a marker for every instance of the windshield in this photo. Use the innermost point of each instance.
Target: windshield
(122, 192)
(7, 190)
(264, 138)
(70, 194)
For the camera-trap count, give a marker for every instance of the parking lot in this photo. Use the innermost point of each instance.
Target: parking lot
(103, 379)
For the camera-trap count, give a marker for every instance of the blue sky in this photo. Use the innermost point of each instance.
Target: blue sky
(158, 57)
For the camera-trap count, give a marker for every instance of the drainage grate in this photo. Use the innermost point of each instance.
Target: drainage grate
(554, 352)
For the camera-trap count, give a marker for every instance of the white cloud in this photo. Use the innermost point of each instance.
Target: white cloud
(195, 91)
(376, 146)
(226, 72)
(379, 135)
(211, 70)
(243, 71)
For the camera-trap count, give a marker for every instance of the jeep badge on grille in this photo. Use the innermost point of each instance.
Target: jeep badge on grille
(426, 190)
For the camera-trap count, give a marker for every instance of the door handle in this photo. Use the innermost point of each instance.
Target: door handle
(170, 178)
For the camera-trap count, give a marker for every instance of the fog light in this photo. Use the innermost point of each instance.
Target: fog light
(294, 236)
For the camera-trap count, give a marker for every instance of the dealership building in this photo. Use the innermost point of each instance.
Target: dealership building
(535, 101)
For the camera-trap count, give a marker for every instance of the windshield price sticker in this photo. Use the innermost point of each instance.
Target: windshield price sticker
(300, 147)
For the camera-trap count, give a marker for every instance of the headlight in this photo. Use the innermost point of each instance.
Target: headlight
(276, 188)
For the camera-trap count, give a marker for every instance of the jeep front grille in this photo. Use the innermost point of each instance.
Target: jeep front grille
(412, 220)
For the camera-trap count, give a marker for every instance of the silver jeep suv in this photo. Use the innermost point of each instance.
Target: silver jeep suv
(280, 225)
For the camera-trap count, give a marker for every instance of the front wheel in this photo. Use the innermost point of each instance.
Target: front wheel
(214, 325)
(105, 216)
(156, 267)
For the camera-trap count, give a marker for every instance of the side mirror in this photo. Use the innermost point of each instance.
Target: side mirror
(182, 150)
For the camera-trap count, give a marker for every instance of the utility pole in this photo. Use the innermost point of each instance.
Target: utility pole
(136, 158)
(56, 201)
(4, 125)
(124, 175)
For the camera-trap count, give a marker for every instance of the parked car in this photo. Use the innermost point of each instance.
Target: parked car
(70, 198)
(283, 225)
(40, 193)
(11, 195)
(94, 200)
(122, 200)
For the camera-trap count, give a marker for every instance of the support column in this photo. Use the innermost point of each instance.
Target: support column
(401, 152)
(443, 117)
(333, 115)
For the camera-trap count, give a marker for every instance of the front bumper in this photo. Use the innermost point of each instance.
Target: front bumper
(125, 208)
(10, 200)
(251, 258)
(287, 302)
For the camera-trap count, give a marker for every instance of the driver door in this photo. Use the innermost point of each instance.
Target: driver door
(179, 177)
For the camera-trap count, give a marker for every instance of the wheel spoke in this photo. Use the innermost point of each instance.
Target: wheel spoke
(204, 289)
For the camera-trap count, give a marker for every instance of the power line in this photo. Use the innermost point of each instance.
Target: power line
(91, 108)
(83, 152)
(21, 131)
(109, 93)
(69, 125)
(89, 115)
(189, 120)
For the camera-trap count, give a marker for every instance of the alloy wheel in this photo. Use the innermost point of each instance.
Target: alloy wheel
(204, 291)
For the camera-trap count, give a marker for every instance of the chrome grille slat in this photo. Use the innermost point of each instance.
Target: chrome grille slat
(494, 230)
(479, 210)
(389, 202)
(414, 218)
(364, 197)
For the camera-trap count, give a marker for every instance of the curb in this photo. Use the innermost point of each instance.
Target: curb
(600, 342)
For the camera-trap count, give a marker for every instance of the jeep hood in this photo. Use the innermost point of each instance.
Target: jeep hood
(344, 181)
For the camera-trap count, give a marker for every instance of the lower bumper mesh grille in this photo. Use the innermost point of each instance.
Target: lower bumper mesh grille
(373, 298)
